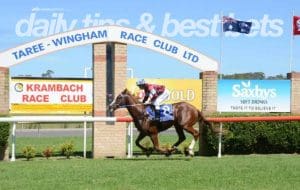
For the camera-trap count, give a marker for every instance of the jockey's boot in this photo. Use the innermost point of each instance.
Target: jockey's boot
(157, 115)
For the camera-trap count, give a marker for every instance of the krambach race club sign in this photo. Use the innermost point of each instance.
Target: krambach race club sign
(254, 95)
(51, 96)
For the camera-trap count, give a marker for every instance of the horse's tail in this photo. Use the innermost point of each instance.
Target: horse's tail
(203, 120)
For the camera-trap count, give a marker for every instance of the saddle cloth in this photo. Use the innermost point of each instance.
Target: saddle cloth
(166, 112)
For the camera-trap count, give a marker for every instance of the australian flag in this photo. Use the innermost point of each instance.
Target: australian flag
(230, 24)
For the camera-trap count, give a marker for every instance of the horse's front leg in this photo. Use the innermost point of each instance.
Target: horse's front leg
(148, 151)
(138, 139)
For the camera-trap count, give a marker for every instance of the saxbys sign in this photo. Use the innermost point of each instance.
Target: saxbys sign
(254, 95)
(51, 96)
(107, 34)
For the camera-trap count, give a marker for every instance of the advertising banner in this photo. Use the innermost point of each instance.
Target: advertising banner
(102, 34)
(187, 90)
(51, 96)
(254, 95)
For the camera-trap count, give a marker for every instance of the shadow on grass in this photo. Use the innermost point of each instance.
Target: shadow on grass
(137, 155)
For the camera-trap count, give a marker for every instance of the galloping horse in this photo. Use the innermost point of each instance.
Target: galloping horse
(185, 116)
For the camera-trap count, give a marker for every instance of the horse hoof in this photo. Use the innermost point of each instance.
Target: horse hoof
(168, 154)
(149, 152)
(191, 153)
(186, 152)
(174, 150)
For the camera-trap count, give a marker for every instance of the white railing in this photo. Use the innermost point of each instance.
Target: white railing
(84, 119)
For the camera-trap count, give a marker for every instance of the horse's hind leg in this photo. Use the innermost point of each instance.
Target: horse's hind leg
(195, 134)
(181, 136)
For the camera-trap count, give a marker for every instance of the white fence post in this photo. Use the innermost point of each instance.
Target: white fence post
(220, 141)
(13, 144)
(84, 139)
(129, 140)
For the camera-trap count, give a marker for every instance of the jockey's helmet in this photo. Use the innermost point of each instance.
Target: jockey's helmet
(140, 82)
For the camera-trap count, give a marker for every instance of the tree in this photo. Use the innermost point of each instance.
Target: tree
(277, 77)
(48, 74)
(254, 75)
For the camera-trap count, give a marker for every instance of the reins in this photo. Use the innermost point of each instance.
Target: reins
(129, 105)
(124, 106)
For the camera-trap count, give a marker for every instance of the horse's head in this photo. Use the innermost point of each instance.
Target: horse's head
(120, 101)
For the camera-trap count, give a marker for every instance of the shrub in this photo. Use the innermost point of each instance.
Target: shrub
(67, 149)
(28, 152)
(48, 152)
(257, 137)
(4, 135)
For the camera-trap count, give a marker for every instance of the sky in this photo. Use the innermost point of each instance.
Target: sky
(192, 23)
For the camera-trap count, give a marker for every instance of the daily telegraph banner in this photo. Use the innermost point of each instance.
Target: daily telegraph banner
(51, 96)
(254, 95)
(187, 90)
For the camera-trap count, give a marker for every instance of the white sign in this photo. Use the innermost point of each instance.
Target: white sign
(50, 92)
(101, 34)
(254, 95)
(51, 96)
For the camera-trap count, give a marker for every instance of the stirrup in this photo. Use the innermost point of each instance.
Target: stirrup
(156, 119)
(157, 115)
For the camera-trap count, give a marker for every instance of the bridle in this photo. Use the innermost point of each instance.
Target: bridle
(127, 105)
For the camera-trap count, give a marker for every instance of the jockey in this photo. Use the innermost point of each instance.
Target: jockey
(154, 94)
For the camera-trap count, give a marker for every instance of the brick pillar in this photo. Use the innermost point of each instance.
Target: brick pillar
(209, 91)
(295, 92)
(4, 90)
(209, 104)
(109, 140)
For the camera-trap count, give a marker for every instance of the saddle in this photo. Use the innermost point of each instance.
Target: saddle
(165, 110)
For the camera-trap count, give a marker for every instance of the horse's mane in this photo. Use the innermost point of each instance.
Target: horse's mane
(134, 98)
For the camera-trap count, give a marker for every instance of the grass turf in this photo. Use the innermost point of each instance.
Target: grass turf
(156, 172)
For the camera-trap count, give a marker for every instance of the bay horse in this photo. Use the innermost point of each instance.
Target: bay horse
(185, 117)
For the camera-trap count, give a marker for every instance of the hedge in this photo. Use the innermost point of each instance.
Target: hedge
(4, 134)
(256, 137)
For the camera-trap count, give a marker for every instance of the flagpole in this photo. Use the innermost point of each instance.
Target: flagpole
(221, 45)
(292, 42)
(220, 64)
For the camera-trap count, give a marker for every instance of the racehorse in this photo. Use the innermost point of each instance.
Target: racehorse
(185, 117)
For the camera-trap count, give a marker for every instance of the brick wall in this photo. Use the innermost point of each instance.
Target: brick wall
(108, 140)
(295, 92)
(120, 72)
(4, 90)
(209, 103)
(209, 91)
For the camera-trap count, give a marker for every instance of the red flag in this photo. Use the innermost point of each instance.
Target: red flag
(296, 25)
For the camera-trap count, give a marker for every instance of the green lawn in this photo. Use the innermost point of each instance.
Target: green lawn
(157, 172)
